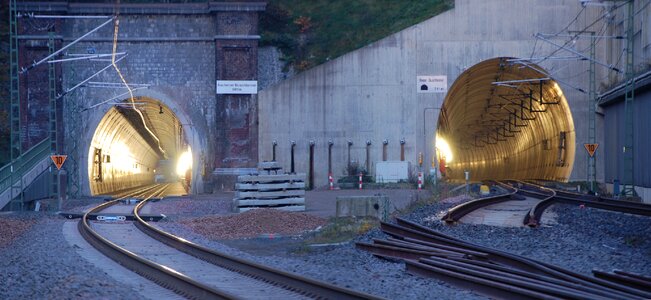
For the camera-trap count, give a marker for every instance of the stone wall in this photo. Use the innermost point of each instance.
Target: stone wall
(175, 49)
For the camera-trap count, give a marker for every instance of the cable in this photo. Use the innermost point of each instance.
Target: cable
(133, 104)
(581, 31)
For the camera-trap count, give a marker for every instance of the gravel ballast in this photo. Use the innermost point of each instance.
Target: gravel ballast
(584, 239)
(254, 223)
(40, 264)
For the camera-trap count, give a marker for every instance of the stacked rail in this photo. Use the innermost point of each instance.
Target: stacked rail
(282, 191)
(495, 273)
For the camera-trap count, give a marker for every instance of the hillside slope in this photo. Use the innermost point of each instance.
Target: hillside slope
(312, 32)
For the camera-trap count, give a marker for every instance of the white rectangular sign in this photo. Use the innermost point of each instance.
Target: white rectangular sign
(432, 84)
(237, 87)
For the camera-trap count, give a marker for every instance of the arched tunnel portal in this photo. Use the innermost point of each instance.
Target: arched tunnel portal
(505, 119)
(138, 143)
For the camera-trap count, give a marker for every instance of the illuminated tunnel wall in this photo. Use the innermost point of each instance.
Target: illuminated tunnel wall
(504, 119)
(123, 154)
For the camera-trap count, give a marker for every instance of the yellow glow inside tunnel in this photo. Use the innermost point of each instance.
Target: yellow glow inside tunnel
(184, 163)
(505, 119)
(443, 149)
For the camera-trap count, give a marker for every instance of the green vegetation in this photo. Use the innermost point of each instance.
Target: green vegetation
(308, 32)
(342, 229)
(312, 32)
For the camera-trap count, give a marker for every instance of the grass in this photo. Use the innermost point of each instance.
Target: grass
(343, 229)
(312, 32)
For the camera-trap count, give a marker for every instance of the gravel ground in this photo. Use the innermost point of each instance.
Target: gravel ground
(40, 264)
(254, 223)
(584, 239)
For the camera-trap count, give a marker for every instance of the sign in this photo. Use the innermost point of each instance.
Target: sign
(58, 160)
(592, 148)
(237, 87)
(432, 84)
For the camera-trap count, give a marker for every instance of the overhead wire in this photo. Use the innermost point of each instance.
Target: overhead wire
(576, 35)
(133, 104)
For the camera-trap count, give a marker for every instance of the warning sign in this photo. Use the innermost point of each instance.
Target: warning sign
(592, 148)
(58, 160)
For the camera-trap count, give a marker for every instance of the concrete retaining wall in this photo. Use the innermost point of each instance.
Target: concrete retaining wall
(370, 94)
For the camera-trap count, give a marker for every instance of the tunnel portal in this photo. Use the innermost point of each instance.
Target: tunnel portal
(504, 118)
(135, 144)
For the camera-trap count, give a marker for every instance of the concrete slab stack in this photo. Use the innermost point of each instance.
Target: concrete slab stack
(278, 191)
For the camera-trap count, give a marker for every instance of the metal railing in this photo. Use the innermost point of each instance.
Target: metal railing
(16, 169)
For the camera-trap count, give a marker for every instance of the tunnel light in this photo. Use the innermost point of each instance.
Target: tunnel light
(122, 157)
(444, 149)
(184, 163)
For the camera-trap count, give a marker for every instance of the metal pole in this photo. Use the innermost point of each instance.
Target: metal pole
(89, 78)
(428, 147)
(592, 95)
(83, 57)
(33, 16)
(59, 199)
(629, 108)
(69, 45)
(592, 130)
(14, 112)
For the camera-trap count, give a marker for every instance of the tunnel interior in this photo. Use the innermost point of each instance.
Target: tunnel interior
(137, 143)
(504, 118)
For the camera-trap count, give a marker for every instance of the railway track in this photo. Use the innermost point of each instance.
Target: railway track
(191, 270)
(545, 198)
(495, 273)
(584, 200)
(455, 214)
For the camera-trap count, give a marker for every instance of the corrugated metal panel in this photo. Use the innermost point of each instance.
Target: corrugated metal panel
(614, 140)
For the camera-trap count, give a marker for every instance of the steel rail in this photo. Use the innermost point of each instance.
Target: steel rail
(525, 282)
(486, 286)
(401, 253)
(454, 214)
(302, 285)
(633, 275)
(546, 195)
(534, 215)
(607, 288)
(624, 280)
(607, 203)
(160, 274)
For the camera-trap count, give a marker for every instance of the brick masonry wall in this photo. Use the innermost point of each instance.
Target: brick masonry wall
(180, 55)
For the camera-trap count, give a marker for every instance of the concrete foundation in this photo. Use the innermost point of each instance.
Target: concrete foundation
(363, 206)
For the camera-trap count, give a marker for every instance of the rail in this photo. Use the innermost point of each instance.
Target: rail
(496, 273)
(304, 285)
(546, 195)
(456, 213)
(536, 212)
(160, 274)
(187, 286)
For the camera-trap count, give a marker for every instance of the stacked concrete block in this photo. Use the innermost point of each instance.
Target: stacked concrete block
(278, 191)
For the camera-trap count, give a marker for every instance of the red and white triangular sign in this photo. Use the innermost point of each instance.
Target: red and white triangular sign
(592, 148)
(58, 160)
